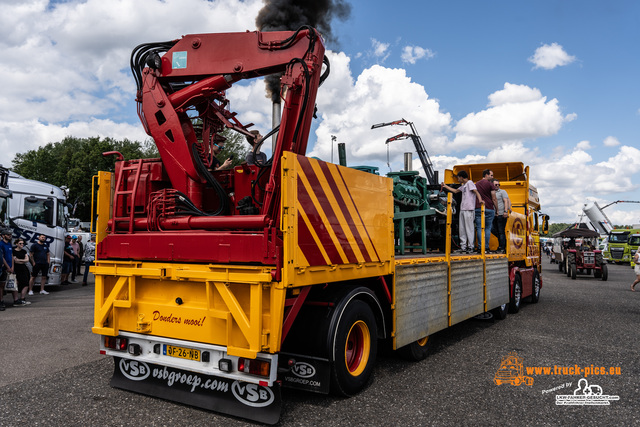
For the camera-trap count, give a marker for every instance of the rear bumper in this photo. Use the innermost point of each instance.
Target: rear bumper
(152, 350)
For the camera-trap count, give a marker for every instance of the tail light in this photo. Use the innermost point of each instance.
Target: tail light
(254, 366)
(115, 343)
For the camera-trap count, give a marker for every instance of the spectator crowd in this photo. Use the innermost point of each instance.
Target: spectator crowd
(23, 263)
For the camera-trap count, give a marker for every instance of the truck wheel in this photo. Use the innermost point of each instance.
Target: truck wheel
(560, 267)
(567, 269)
(514, 303)
(535, 292)
(417, 350)
(605, 274)
(500, 313)
(573, 271)
(356, 344)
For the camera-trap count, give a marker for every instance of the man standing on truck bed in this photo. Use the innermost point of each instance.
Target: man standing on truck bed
(488, 198)
(467, 206)
(503, 208)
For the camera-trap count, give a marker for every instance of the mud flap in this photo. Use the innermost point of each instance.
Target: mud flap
(224, 395)
(305, 373)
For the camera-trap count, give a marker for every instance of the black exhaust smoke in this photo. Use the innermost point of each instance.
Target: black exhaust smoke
(289, 15)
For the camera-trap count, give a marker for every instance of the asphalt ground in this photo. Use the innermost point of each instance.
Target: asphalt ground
(51, 373)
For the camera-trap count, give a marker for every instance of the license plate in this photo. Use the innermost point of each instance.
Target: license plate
(181, 352)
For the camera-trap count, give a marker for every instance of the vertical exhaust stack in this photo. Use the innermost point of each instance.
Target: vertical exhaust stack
(276, 116)
(408, 162)
(342, 154)
(289, 15)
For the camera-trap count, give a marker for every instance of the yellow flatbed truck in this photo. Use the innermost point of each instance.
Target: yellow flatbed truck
(215, 288)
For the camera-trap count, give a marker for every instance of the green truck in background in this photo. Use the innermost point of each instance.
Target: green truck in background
(620, 244)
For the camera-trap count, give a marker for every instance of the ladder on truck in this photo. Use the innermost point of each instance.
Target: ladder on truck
(121, 192)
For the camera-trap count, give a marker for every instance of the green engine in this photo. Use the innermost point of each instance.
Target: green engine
(420, 212)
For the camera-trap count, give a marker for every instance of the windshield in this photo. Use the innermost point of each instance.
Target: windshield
(634, 240)
(618, 238)
(39, 210)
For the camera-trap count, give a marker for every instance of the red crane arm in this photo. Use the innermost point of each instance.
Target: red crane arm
(187, 85)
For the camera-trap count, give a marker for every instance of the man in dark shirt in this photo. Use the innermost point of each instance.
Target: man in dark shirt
(488, 194)
(216, 165)
(6, 262)
(80, 255)
(255, 156)
(68, 260)
(41, 259)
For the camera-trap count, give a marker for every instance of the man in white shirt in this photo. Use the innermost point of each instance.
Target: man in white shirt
(467, 210)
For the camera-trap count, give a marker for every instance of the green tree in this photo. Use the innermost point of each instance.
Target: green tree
(557, 227)
(73, 161)
(236, 145)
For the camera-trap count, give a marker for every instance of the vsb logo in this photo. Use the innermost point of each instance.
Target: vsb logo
(303, 370)
(517, 231)
(134, 370)
(252, 394)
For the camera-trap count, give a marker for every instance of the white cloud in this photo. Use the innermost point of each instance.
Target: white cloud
(22, 136)
(348, 108)
(380, 50)
(65, 65)
(588, 179)
(412, 54)
(65, 71)
(515, 113)
(550, 56)
(583, 145)
(611, 141)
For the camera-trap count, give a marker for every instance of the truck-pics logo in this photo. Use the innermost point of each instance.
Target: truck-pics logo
(511, 371)
(134, 370)
(303, 370)
(252, 394)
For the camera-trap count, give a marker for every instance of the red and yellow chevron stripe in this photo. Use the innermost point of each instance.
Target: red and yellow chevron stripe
(342, 216)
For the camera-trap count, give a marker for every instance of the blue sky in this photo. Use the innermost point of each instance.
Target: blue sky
(553, 84)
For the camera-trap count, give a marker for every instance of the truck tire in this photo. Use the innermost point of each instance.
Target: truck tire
(605, 273)
(417, 350)
(535, 292)
(514, 303)
(573, 271)
(355, 347)
(500, 313)
(571, 260)
(560, 267)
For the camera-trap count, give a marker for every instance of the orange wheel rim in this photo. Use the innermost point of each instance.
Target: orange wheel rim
(357, 348)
